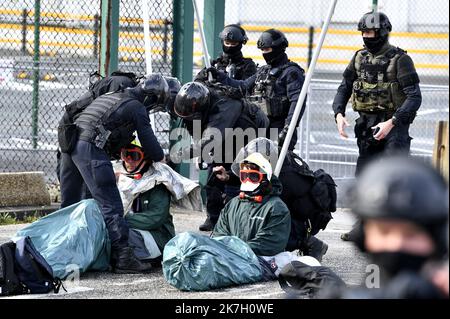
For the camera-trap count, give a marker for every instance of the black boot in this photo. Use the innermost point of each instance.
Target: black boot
(127, 263)
(316, 248)
(208, 225)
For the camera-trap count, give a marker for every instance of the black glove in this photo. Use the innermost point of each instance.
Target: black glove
(216, 74)
(282, 135)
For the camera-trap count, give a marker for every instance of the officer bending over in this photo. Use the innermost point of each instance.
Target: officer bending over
(384, 89)
(276, 86)
(217, 108)
(104, 127)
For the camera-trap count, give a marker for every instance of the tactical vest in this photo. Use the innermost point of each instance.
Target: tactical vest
(376, 88)
(264, 94)
(93, 120)
(234, 70)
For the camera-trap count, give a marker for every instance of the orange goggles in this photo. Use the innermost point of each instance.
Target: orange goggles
(252, 176)
(131, 154)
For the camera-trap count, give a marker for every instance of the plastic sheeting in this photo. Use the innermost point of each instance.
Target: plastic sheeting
(72, 238)
(194, 262)
(185, 193)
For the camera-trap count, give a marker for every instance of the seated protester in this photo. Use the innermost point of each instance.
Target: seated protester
(151, 224)
(258, 216)
(307, 218)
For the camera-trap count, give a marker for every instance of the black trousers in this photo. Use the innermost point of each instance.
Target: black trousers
(218, 193)
(397, 141)
(91, 165)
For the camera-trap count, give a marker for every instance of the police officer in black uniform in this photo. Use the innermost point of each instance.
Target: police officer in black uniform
(104, 127)
(276, 86)
(384, 89)
(232, 60)
(219, 108)
(403, 206)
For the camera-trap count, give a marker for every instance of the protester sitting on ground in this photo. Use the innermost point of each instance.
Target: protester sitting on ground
(300, 189)
(151, 224)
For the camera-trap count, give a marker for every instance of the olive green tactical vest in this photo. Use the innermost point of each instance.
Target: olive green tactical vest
(376, 88)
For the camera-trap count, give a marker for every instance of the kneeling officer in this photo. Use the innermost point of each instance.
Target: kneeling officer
(104, 127)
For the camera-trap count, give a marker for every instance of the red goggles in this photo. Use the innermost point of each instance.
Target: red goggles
(251, 176)
(131, 154)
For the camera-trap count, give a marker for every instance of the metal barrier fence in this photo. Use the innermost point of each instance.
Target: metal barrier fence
(36, 81)
(322, 147)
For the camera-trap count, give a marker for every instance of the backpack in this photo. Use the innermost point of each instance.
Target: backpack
(33, 272)
(322, 194)
(67, 130)
(9, 282)
(300, 280)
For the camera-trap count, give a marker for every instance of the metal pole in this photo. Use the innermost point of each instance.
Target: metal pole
(310, 45)
(36, 58)
(96, 35)
(148, 47)
(206, 56)
(24, 31)
(109, 37)
(304, 91)
(308, 125)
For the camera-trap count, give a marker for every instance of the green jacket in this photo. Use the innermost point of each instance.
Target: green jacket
(153, 215)
(265, 226)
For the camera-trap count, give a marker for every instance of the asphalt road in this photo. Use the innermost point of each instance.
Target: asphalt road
(342, 257)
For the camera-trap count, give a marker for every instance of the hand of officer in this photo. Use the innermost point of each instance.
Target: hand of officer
(216, 74)
(384, 130)
(221, 173)
(282, 136)
(342, 123)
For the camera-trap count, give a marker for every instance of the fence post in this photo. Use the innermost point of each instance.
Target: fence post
(214, 17)
(441, 149)
(109, 42)
(96, 35)
(165, 39)
(182, 60)
(310, 44)
(36, 58)
(24, 31)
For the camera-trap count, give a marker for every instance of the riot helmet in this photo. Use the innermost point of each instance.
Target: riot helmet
(274, 39)
(403, 189)
(378, 22)
(174, 88)
(233, 33)
(192, 99)
(156, 91)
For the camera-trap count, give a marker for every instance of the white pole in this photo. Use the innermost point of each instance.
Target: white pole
(206, 57)
(305, 87)
(148, 47)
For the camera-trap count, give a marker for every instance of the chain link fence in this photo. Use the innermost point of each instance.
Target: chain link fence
(34, 88)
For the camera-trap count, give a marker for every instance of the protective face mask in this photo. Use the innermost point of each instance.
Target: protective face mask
(231, 51)
(374, 45)
(249, 186)
(391, 263)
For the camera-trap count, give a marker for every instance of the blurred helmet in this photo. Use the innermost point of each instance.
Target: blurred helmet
(156, 91)
(272, 39)
(234, 32)
(262, 145)
(174, 88)
(192, 99)
(376, 21)
(402, 188)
